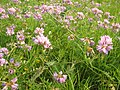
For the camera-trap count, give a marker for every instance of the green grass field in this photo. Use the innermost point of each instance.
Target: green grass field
(62, 42)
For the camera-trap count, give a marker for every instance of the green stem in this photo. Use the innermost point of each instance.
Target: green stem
(71, 82)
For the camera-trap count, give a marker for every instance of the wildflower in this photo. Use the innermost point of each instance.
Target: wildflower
(106, 21)
(10, 30)
(21, 37)
(27, 15)
(67, 2)
(4, 50)
(58, 9)
(12, 84)
(60, 77)
(11, 10)
(28, 47)
(90, 51)
(67, 22)
(2, 61)
(50, 9)
(62, 8)
(111, 17)
(12, 60)
(103, 24)
(16, 1)
(69, 17)
(97, 4)
(39, 30)
(116, 27)
(44, 8)
(96, 11)
(2, 10)
(71, 37)
(90, 19)
(4, 16)
(36, 8)
(11, 71)
(80, 15)
(17, 64)
(107, 14)
(42, 40)
(88, 40)
(105, 44)
(18, 16)
(1, 55)
(38, 16)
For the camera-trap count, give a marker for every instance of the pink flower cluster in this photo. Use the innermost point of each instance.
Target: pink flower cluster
(2, 10)
(68, 2)
(2, 52)
(108, 15)
(12, 64)
(2, 61)
(116, 27)
(52, 9)
(11, 10)
(10, 30)
(16, 1)
(21, 37)
(21, 41)
(69, 17)
(88, 40)
(97, 11)
(12, 84)
(38, 16)
(39, 31)
(104, 24)
(105, 44)
(3, 14)
(80, 15)
(16, 64)
(42, 40)
(27, 15)
(60, 77)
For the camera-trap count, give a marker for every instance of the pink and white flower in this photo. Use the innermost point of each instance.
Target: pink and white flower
(39, 31)
(60, 77)
(97, 11)
(80, 15)
(105, 44)
(42, 40)
(2, 61)
(12, 84)
(4, 50)
(10, 30)
(38, 16)
(2, 10)
(1, 55)
(68, 2)
(11, 10)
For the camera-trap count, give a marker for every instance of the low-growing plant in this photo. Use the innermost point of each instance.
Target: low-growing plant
(59, 45)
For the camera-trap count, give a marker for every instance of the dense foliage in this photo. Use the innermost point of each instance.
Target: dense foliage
(59, 45)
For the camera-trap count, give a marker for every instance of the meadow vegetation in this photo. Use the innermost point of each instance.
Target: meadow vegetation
(59, 45)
